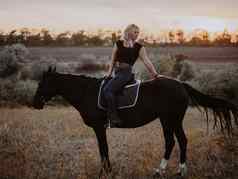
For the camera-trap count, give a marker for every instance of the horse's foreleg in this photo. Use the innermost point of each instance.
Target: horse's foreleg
(103, 149)
(182, 140)
(169, 144)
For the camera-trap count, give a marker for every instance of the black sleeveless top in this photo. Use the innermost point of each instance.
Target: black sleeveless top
(127, 54)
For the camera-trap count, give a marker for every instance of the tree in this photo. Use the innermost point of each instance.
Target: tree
(205, 35)
(223, 39)
(95, 40)
(24, 35)
(180, 36)
(47, 39)
(195, 41)
(114, 37)
(2, 39)
(34, 40)
(79, 38)
(63, 39)
(236, 39)
(171, 37)
(12, 37)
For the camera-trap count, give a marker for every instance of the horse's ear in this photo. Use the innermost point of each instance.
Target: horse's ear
(49, 69)
(43, 75)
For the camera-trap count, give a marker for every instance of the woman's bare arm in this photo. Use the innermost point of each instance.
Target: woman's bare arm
(113, 60)
(149, 65)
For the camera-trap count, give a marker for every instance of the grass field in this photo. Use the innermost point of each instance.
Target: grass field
(54, 143)
(196, 54)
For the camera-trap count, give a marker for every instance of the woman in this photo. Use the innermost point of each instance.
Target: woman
(124, 54)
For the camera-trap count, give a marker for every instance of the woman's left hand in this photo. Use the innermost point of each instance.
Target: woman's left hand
(156, 76)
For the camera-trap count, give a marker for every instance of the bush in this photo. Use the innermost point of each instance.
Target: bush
(187, 71)
(169, 66)
(24, 92)
(162, 63)
(222, 82)
(6, 90)
(14, 92)
(37, 68)
(12, 59)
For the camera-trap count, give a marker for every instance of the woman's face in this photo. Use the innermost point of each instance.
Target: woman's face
(133, 35)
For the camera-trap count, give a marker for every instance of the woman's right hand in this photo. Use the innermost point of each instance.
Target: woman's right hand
(109, 75)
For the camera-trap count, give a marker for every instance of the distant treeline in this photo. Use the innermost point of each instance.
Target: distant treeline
(107, 38)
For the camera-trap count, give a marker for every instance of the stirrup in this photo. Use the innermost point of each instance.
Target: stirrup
(108, 125)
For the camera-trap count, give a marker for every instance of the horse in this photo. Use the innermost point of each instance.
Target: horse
(162, 98)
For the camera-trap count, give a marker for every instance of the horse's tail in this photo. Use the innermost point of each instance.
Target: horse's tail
(222, 110)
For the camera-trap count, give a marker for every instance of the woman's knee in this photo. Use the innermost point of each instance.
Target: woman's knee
(107, 92)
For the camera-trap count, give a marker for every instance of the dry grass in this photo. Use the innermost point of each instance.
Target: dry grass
(55, 144)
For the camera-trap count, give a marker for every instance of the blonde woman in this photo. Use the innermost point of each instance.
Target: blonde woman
(124, 54)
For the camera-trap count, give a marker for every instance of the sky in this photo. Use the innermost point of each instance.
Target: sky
(150, 15)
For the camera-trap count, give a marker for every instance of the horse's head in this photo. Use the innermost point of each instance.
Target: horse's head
(46, 88)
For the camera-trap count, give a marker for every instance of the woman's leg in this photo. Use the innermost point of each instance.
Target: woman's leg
(113, 86)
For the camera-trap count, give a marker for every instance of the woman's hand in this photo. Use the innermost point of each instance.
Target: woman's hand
(157, 76)
(154, 76)
(108, 76)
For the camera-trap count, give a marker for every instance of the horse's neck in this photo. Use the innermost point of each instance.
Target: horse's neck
(74, 88)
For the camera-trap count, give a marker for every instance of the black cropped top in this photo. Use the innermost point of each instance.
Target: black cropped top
(127, 54)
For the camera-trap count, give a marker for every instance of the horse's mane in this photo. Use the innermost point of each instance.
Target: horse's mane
(77, 76)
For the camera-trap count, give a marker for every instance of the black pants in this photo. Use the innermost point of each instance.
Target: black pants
(122, 77)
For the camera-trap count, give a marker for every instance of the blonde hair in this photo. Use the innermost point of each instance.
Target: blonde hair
(129, 29)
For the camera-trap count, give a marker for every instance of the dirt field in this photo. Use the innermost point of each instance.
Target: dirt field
(55, 144)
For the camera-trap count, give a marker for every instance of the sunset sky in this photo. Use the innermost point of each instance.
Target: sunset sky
(150, 15)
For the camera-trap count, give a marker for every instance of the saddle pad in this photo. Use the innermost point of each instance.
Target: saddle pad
(125, 99)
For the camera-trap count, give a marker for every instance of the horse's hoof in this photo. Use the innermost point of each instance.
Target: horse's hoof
(159, 173)
(177, 175)
(105, 172)
(183, 170)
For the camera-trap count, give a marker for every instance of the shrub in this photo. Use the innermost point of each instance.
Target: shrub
(222, 82)
(17, 92)
(187, 71)
(169, 66)
(12, 59)
(24, 92)
(6, 90)
(162, 63)
(37, 68)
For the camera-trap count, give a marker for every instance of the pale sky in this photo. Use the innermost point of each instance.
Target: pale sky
(150, 15)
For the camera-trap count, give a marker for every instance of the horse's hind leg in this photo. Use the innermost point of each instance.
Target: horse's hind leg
(182, 140)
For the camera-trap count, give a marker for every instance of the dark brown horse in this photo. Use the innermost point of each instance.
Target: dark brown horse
(162, 98)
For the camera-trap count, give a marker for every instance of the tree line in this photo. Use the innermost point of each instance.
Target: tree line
(106, 38)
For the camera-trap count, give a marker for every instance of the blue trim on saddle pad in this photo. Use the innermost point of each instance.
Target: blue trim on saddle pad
(135, 90)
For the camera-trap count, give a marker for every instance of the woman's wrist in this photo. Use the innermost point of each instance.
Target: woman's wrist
(155, 75)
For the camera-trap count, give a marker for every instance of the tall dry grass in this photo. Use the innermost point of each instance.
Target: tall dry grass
(55, 144)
